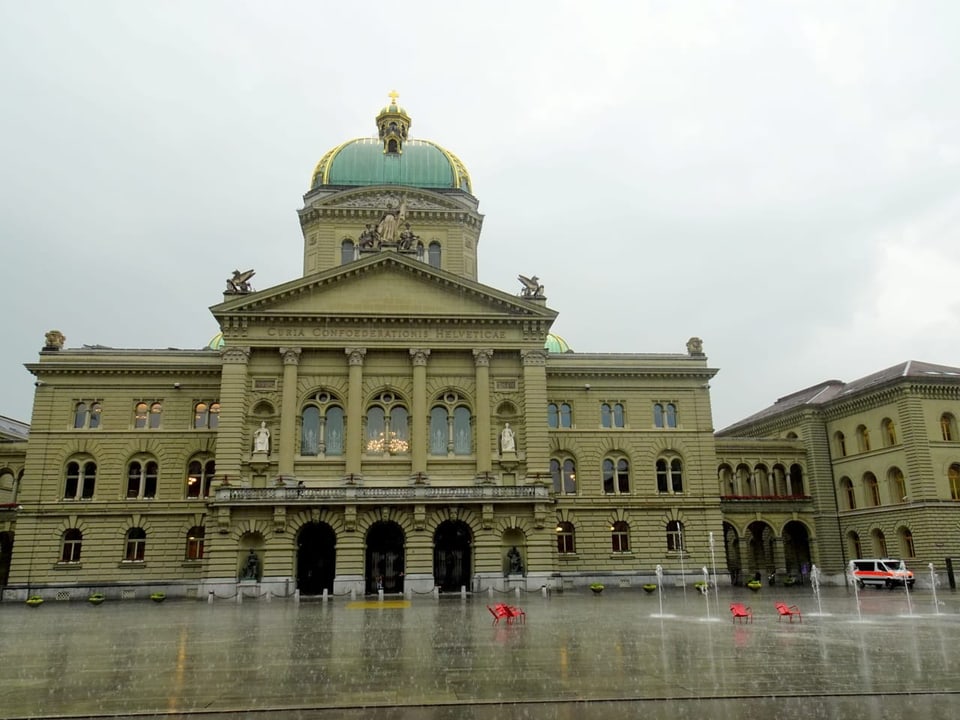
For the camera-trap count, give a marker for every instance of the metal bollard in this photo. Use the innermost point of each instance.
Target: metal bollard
(210, 597)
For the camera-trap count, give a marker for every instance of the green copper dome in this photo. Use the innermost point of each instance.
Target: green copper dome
(556, 344)
(391, 159)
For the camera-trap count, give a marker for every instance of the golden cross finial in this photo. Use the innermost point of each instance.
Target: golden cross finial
(393, 96)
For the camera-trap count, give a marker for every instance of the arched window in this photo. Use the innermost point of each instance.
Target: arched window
(564, 475)
(136, 545)
(906, 543)
(566, 538)
(846, 489)
(953, 475)
(880, 543)
(81, 480)
(796, 480)
(348, 251)
(948, 427)
(142, 479)
(727, 484)
(70, 546)
(863, 438)
(433, 254)
(898, 485)
(669, 475)
(611, 415)
(871, 489)
(671, 415)
(559, 415)
(675, 536)
(616, 476)
(658, 415)
(86, 415)
(451, 426)
(388, 431)
(321, 426)
(841, 442)
(889, 432)
(200, 472)
(147, 415)
(195, 536)
(853, 545)
(620, 537)
(206, 415)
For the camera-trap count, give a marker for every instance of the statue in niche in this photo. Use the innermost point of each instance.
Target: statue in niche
(508, 442)
(261, 439)
(251, 569)
(515, 560)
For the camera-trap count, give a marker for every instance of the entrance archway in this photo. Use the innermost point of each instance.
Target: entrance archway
(385, 557)
(316, 558)
(760, 538)
(6, 551)
(731, 546)
(796, 547)
(452, 552)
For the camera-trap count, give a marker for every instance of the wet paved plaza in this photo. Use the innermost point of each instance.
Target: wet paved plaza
(578, 656)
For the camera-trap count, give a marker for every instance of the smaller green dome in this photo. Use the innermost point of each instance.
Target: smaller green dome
(556, 344)
(216, 342)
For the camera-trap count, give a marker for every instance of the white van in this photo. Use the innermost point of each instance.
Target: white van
(881, 572)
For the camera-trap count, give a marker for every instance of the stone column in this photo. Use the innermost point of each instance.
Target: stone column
(418, 430)
(231, 443)
(536, 442)
(482, 359)
(288, 409)
(355, 410)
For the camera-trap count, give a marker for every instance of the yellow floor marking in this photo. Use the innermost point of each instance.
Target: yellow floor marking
(377, 605)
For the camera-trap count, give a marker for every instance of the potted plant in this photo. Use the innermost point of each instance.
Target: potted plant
(702, 587)
(158, 597)
(96, 598)
(34, 601)
(649, 587)
(789, 581)
(754, 585)
(597, 588)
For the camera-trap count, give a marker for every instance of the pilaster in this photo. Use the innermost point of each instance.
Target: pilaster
(288, 409)
(481, 358)
(354, 410)
(233, 402)
(537, 446)
(418, 357)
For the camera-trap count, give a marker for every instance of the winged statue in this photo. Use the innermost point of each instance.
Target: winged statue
(240, 282)
(531, 286)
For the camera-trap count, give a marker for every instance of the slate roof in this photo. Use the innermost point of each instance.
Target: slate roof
(13, 430)
(829, 390)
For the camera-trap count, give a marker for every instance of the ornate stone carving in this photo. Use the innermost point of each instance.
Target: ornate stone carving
(534, 357)
(54, 340)
(239, 284)
(695, 346)
(355, 355)
(291, 356)
(419, 356)
(532, 288)
(235, 355)
(482, 356)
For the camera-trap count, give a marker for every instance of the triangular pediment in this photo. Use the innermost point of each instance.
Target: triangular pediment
(387, 285)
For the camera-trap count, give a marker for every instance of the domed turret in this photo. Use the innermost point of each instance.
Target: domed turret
(391, 159)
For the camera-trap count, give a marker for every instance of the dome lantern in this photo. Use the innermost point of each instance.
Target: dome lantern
(393, 124)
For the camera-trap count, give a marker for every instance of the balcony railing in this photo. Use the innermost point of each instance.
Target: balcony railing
(379, 494)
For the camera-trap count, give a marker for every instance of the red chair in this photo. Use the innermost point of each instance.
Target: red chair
(789, 611)
(511, 612)
(741, 611)
(499, 612)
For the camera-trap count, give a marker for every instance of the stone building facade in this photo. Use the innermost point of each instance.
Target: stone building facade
(387, 422)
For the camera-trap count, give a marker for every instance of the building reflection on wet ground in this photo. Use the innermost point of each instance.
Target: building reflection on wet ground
(579, 655)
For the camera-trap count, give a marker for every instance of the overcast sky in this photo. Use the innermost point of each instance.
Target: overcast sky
(781, 179)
